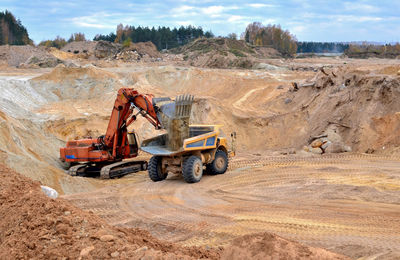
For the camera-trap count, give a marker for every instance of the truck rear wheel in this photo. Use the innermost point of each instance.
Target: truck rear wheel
(219, 164)
(155, 169)
(192, 169)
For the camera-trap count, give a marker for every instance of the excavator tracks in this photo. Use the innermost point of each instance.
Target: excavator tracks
(77, 170)
(113, 170)
(120, 169)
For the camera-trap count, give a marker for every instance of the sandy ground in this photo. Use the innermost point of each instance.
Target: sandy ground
(348, 204)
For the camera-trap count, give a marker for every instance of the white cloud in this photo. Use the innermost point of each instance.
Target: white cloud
(182, 9)
(259, 5)
(213, 10)
(235, 18)
(355, 18)
(360, 7)
(97, 20)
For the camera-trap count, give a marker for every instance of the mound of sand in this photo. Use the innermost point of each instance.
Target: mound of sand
(62, 55)
(268, 246)
(145, 48)
(62, 74)
(27, 56)
(80, 47)
(34, 226)
(223, 53)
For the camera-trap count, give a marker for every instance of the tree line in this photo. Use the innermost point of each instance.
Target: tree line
(12, 31)
(60, 42)
(162, 37)
(366, 50)
(321, 47)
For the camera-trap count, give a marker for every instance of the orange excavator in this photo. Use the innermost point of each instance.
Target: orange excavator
(105, 155)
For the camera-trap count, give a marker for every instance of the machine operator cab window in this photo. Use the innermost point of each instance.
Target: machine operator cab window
(133, 143)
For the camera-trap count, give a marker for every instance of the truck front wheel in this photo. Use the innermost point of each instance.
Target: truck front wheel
(219, 165)
(155, 169)
(192, 169)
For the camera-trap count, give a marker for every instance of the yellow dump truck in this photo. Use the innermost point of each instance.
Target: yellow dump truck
(206, 147)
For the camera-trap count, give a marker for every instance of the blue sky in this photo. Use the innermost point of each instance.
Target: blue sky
(309, 20)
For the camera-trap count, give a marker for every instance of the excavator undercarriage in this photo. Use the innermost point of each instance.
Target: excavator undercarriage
(107, 171)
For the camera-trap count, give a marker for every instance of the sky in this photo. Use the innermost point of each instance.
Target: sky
(321, 20)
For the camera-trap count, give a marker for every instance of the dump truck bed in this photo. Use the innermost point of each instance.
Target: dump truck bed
(202, 137)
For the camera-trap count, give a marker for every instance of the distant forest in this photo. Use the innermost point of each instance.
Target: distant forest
(321, 47)
(12, 31)
(162, 37)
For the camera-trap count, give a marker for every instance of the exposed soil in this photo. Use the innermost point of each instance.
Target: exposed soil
(224, 53)
(34, 226)
(344, 203)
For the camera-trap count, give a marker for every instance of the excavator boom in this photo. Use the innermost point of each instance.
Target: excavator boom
(106, 152)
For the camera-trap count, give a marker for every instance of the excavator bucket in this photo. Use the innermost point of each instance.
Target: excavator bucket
(183, 106)
(178, 109)
(175, 117)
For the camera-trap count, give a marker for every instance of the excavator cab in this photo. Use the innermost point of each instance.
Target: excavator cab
(133, 143)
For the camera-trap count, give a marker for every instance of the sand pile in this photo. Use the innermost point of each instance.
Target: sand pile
(268, 246)
(62, 55)
(223, 53)
(27, 56)
(34, 226)
(80, 47)
(145, 51)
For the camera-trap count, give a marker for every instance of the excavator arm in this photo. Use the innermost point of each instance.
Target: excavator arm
(122, 116)
(105, 155)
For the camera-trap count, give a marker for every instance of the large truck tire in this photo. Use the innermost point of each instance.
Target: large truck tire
(155, 170)
(219, 165)
(192, 169)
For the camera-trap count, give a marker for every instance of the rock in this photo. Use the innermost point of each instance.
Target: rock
(337, 147)
(306, 148)
(115, 254)
(60, 65)
(316, 143)
(70, 64)
(370, 151)
(398, 73)
(50, 192)
(288, 100)
(325, 145)
(67, 213)
(280, 87)
(86, 251)
(107, 238)
(316, 150)
(140, 252)
(347, 149)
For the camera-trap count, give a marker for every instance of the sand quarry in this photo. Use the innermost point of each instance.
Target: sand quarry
(283, 197)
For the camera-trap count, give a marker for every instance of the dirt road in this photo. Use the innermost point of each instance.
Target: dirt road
(348, 204)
